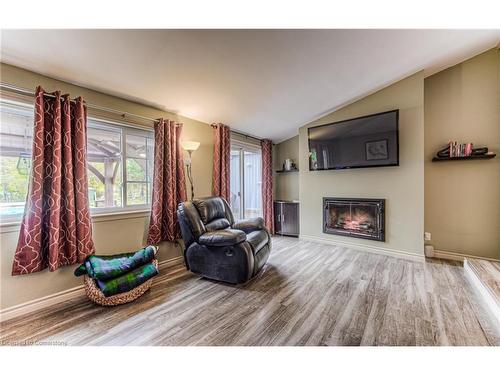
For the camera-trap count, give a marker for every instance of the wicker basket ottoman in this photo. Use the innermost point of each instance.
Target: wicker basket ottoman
(95, 294)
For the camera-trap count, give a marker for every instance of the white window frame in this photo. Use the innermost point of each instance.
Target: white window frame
(105, 124)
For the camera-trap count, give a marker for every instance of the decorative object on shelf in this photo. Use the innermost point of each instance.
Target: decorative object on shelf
(288, 166)
(480, 151)
(190, 147)
(313, 160)
(456, 151)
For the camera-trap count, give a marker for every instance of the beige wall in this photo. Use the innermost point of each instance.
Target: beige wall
(112, 234)
(462, 199)
(286, 185)
(402, 186)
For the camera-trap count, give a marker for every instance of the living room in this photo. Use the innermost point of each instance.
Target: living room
(250, 187)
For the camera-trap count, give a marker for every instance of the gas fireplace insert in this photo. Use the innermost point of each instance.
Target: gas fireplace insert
(355, 217)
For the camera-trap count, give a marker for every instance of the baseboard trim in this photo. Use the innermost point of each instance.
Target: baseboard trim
(367, 248)
(450, 255)
(41, 303)
(65, 295)
(489, 301)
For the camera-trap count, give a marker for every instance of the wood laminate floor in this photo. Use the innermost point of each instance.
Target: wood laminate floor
(307, 294)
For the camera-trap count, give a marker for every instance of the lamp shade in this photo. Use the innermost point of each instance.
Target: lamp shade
(190, 145)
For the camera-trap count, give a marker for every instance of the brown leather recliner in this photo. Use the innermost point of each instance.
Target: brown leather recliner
(219, 248)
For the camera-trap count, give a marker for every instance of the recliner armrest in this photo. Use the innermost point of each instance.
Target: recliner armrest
(225, 237)
(249, 225)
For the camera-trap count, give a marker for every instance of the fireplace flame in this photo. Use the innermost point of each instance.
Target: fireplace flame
(352, 224)
(361, 221)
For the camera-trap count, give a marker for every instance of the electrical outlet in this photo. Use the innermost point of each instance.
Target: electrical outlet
(427, 236)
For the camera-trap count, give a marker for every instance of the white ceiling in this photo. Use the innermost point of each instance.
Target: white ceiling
(265, 83)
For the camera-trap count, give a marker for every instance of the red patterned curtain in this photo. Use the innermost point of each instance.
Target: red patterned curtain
(169, 184)
(267, 183)
(56, 229)
(222, 155)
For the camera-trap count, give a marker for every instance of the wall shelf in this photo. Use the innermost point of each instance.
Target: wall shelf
(472, 157)
(285, 171)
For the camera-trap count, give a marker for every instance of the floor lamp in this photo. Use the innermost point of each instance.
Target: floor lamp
(190, 147)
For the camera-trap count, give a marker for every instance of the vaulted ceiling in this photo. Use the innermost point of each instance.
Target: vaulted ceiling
(266, 83)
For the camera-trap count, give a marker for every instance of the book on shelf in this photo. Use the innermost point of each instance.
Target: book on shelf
(458, 150)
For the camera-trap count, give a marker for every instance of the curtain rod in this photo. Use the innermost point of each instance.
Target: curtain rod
(242, 134)
(24, 91)
(246, 135)
(28, 92)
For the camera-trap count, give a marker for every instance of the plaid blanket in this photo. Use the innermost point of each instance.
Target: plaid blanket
(127, 281)
(107, 267)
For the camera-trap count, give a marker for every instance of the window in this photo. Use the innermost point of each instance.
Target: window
(16, 138)
(119, 162)
(120, 167)
(246, 180)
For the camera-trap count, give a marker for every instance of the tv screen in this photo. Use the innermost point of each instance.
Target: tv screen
(369, 141)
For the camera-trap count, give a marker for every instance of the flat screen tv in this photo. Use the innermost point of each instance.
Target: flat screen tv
(368, 141)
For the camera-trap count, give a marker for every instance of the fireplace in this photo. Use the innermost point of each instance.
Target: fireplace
(355, 217)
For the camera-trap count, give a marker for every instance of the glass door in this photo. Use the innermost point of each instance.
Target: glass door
(235, 183)
(246, 180)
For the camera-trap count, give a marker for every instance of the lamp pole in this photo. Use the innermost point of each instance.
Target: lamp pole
(190, 176)
(190, 146)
